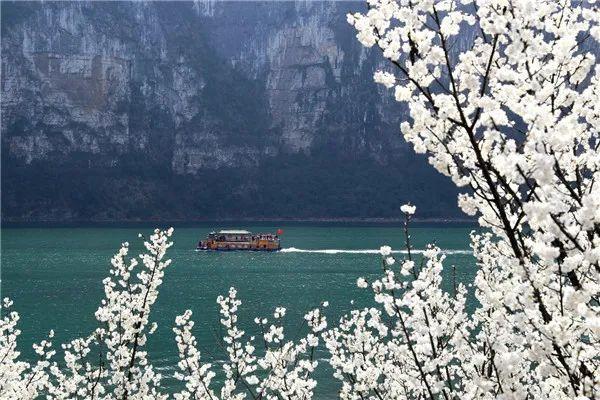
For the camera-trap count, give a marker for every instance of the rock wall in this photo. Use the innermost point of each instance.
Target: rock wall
(229, 99)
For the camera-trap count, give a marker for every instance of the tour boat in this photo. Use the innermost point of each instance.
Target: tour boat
(229, 240)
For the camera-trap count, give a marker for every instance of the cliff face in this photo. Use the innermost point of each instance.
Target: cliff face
(199, 110)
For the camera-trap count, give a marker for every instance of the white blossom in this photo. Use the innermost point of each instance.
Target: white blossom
(408, 209)
(503, 98)
(362, 283)
(385, 78)
(385, 251)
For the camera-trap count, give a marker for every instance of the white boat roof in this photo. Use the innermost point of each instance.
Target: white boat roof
(234, 232)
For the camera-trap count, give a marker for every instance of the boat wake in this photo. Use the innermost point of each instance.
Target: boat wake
(364, 251)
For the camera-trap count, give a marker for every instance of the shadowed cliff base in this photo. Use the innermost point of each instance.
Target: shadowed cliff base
(295, 187)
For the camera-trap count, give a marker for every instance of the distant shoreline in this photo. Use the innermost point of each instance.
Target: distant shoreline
(231, 221)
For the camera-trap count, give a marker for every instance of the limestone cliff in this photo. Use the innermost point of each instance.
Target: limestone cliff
(207, 109)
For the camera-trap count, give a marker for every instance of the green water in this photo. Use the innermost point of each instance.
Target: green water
(54, 277)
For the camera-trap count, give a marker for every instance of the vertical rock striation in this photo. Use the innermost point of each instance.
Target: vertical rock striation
(127, 110)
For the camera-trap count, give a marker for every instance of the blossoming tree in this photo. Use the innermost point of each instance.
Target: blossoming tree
(112, 362)
(504, 97)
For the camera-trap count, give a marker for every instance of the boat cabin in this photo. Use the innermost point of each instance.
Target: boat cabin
(240, 240)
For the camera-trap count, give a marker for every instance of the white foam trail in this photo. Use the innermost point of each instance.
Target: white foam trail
(364, 251)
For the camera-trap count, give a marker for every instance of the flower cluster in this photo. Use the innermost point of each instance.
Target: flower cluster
(503, 96)
(283, 370)
(111, 362)
(19, 379)
(412, 344)
(196, 376)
